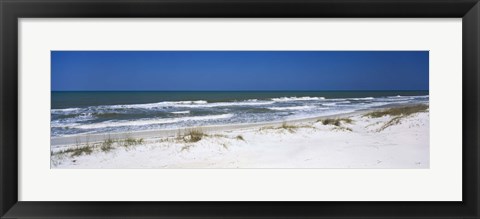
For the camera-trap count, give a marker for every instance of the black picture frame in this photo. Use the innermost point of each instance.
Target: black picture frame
(12, 10)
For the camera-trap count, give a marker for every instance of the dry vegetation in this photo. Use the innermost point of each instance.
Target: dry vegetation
(341, 128)
(285, 126)
(288, 127)
(191, 136)
(240, 137)
(399, 111)
(195, 135)
(397, 114)
(336, 121)
(107, 145)
(131, 142)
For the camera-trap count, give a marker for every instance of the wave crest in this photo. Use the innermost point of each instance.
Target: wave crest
(285, 99)
(150, 121)
(291, 108)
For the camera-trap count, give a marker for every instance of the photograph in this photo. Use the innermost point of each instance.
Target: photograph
(239, 109)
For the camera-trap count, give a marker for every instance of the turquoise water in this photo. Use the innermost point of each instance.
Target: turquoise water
(106, 112)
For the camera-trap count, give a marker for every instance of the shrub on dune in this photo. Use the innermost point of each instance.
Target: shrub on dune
(192, 135)
(336, 121)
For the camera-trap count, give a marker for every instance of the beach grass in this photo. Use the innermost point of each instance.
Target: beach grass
(240, 137)
(341, 128)
(217, 135)
(79, 149)
(87, 149)
(289, 127)
(336, 121)
(107, 145)
(397, 114)
(399, 111)
(264, 128)
(394, 121)
(127, 142)
(191, 135)
(285, 126)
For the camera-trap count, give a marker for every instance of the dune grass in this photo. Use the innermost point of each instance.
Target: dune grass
(292, 128)
(285, 126)
(341, 128)
(288, 127)
(127, 142)
(264, 128)
(394, 121)
(399, 111)
(87, 149)
(240, 138)
(107, 145)
(194, 135)
(191, 135)
(79, 149)
(336, 121)
(397, 114)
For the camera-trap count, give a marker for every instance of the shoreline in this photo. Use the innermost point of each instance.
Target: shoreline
(58, 142)
(64, 141)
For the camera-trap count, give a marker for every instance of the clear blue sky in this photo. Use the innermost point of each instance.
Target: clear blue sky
(239, 70)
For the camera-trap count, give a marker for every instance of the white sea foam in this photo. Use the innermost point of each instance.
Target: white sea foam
(157, 105)
(188, 104)
(150, 121)
(335, 103)
(63, 110)
(407, 97)
(240, 103)
(365, 98)
(181, 112)
(66, 121)
(329, 104)
(285, 99)
(323, 113)
(292, 108)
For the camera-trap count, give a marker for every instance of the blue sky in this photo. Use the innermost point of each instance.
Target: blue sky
(239, 70)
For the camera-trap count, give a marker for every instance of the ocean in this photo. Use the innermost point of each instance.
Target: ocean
(79, 112)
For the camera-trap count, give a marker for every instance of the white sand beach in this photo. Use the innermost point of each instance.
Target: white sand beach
(354, 140)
